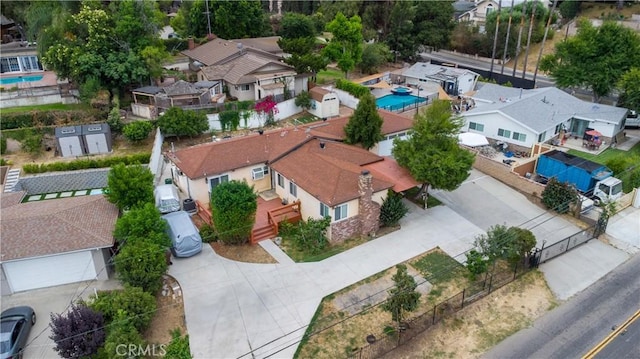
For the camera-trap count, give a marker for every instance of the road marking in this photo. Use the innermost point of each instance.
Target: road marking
(593, 352)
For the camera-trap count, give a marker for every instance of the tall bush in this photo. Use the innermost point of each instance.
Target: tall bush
(142, 263)
(87, 163)
(233, 206)
(559, 196)
(392, 210)
(139, 305)
(129, 187)
(229, 120)
(352, 88)
(137, 131)
(78, 333)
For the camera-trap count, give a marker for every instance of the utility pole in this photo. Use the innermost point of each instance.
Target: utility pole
(506, 41)
(524, 14)
(495, 39)
(526, 53)
(546, 31)
(208, 19)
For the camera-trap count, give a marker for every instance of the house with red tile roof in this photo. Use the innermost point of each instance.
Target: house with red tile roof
(306, 164)
(53, 242)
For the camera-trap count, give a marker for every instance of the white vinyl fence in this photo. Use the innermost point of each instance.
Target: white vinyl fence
(285, 109)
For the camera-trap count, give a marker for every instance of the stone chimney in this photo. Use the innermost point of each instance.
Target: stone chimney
(368, 210)
(191, 43)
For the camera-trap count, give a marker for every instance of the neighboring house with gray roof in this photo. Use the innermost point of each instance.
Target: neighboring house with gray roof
(150, 101)
(248, 73)
(54, 242)
(454, 81)
(526, 117)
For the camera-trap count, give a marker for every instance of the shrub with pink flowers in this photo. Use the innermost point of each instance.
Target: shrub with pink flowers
(268, 107)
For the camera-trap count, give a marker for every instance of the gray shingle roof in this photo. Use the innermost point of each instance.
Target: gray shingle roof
(423, 70)
(63, 181)
(543, 108)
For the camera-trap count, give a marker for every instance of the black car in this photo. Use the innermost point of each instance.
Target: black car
(15, 325)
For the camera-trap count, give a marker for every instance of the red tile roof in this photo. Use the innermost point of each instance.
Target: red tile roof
(55, 226)
(391, 171)
(330, 174)
(11, 198)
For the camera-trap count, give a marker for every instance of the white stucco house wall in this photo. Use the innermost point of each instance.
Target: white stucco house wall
(525, 117)
(454, 81)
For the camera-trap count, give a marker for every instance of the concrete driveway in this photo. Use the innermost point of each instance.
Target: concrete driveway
(248, 310)
(51, 300)
(485, 201)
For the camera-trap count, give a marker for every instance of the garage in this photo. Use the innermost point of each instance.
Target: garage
(49, 271)
(54, 241)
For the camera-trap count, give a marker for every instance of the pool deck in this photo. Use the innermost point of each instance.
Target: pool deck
(49, 78)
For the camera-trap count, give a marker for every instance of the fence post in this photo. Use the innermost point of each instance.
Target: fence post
(490, 282)
(433, 321)
(463, 293)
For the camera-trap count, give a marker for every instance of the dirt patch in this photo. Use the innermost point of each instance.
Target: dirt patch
(477, 328)
(169, 314)
(244, 253)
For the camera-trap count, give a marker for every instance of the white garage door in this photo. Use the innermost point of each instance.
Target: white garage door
(49, 271)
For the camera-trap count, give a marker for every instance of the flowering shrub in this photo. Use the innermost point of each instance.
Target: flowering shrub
(268, 107)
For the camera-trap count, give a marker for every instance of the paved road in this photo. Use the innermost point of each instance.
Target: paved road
(624, 341)
(572, 329)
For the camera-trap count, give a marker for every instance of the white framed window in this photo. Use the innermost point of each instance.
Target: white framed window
(324, 210)
(245, 87)
(293, 189)
(258, 173)
(215, 181)
(280, 181)
(504, 133)
(476, 126)
(340, 212)
(519, 136)
(542, 136)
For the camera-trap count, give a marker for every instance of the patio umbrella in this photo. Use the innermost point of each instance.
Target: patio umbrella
(593, 133)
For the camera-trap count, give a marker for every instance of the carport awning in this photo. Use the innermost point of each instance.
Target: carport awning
(390, 171)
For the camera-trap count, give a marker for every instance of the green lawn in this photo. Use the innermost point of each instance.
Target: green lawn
(438, 267)
(329, 76)
(47, 107)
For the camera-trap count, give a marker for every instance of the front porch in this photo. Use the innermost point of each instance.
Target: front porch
(270, 213)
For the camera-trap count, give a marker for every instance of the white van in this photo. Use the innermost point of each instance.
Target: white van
(167, 199)
(185, 238)
(632, 121)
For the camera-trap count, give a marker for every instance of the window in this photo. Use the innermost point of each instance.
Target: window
(244, 87)
(476, 126)
(542, 136)
(215, 181)
(324, 210)
(519, 136)
(504, 133)
(293, 189)
(341, 212)
(280, 181)
(259, 172)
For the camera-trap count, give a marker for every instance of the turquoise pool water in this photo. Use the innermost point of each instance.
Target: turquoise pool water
(398, 102)
(15, 80)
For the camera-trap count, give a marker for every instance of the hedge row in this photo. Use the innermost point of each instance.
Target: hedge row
(87, 163)
(352, 88)
(49, 118)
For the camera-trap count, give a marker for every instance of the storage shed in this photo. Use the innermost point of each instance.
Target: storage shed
(69, 141)
(97, 138)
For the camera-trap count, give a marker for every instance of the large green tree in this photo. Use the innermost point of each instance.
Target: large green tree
(115, 45)
(433, 23)
(365, 125)
(400, 38)
(629, 86)
(233, 206)
(373, 56)
(298, 39)
(512, 244)
(179, 122)
(129, 187)
(142, 222)
(346, 44)
(431, 153)
(142, 263)
(596, 58)
(403, 297)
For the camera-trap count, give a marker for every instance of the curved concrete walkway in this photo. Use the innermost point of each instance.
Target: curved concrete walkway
(236, 309)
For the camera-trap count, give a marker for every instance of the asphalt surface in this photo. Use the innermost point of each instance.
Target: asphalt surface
(624, 344)
(572, 329)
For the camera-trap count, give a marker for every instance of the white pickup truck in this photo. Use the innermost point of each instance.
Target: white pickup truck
(586, 204)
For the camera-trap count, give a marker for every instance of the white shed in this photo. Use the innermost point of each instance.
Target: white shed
(69, 141)
(325, 103)
(97, 138)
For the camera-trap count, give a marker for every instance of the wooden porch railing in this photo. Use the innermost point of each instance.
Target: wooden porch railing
(289, 212)
(204, 213)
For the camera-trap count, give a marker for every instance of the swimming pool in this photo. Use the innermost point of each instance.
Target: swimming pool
(398, 102)
(15, 80)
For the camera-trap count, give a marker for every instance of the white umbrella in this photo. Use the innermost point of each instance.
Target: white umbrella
(472, 139)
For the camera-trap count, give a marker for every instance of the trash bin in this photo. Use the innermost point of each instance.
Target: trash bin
(168, 181)
(188, 205)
